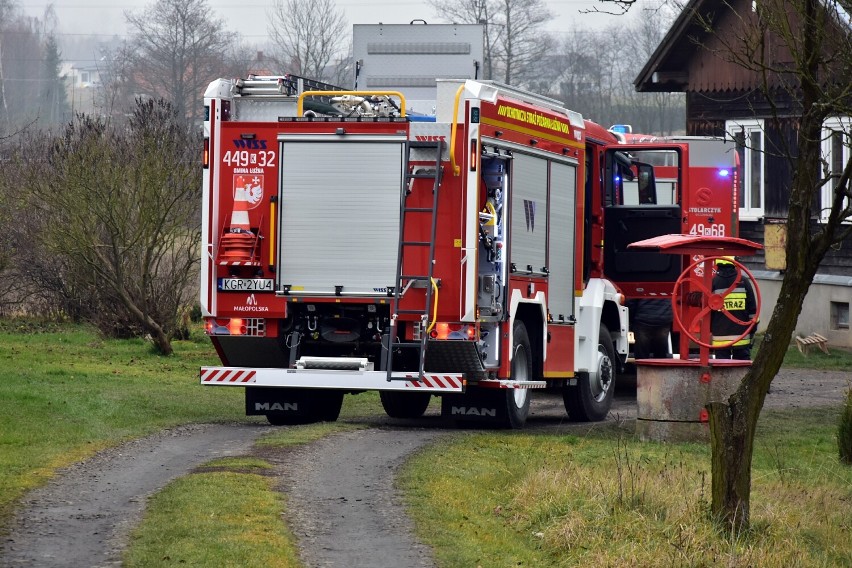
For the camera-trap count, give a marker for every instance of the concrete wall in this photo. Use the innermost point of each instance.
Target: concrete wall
(816, 314)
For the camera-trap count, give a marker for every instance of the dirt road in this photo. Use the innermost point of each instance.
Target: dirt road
(83, 517)
(345, 511)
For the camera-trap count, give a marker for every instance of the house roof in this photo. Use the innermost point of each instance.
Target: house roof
(663, 72)
(667, 68)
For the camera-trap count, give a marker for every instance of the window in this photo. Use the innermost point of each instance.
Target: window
(663, 186)
(839, 315)
(84, 76)
(836, 152)
(749, 137)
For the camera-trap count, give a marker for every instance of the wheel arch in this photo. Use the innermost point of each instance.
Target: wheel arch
(531, 314)
(600, 304)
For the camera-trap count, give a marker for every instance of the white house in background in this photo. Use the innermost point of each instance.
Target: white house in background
(83, 86)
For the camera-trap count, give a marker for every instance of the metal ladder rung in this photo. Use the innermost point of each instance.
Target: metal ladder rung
(405, 281)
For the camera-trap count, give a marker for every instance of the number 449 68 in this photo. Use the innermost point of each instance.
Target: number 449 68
(714, 230)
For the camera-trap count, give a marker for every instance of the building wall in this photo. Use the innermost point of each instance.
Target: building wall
(816, 314)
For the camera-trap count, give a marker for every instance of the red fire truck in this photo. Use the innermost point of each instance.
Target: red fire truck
(473, 255)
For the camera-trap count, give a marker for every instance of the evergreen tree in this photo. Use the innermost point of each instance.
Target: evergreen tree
(54, 99)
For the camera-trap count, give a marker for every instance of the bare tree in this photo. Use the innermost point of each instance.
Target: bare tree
(524, 40)
(6, 11)
(113, 220)
(308, 35)
(801, 49)
(515, 38)
(660, 113)
(177, 49)
(589, 78)
(475, 12)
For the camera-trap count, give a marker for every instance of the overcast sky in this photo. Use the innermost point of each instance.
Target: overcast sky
(88, 17)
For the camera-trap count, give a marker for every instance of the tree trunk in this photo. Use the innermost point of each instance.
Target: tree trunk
(159, 336)
(733, 422)
(731, 439)
(161, 341)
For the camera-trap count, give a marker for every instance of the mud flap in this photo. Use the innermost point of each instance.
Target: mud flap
(296, 404)
(482, 406)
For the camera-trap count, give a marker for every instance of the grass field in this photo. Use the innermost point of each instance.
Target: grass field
(486, 499)
(604, 499)
(65, 394)
(228, 513)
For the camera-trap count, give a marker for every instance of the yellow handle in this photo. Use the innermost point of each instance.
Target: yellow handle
(434, 307)
(456, 168)
(271, 233)
(354, 93)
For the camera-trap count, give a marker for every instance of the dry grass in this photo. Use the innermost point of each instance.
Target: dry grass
(608, 500)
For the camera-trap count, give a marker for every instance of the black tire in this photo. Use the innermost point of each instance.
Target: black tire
(591, 399)
(405, 404)
(317, 406)
(329, 405)
(510, 407)
(518, 400)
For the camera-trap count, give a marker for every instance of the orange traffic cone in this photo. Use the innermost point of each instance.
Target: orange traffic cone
(237, 245)
(240, 216)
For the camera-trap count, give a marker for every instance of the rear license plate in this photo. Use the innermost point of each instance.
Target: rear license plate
(245, 284)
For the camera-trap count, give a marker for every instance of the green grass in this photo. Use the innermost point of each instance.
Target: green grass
(65, 393)
(605, 499)
(220, 518)
(297, 436)
(838, 359)
(490, 499)
(228, 513)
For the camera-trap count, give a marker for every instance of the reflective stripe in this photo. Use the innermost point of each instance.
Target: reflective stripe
(727, 339)
(739, 291)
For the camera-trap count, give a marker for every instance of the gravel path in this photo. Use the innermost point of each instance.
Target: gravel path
(343, 505)
(83, 517)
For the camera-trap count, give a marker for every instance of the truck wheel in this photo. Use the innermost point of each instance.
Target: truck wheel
(328, 407)
(405, 404)
(591, 399)
(518, 400)
(501, 408)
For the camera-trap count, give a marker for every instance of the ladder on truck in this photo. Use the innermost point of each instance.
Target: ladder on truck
(405, 281)
(288, 85)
